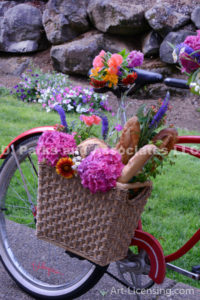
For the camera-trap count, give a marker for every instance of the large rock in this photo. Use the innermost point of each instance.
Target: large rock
(5, 5)
(196, 16)
(14, 65)
(21, 29)
(113, 43)
(173, 38)
(151, 44)
(117, 16)
(164, 18)
(64, 20)
(76, 57)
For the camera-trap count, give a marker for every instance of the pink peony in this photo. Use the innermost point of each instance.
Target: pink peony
(52, 145)
(98, 61)
(135, 59)
(100, 170)
(193, 41)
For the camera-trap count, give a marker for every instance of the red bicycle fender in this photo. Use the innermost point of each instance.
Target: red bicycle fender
(154, 250)
(23, 136)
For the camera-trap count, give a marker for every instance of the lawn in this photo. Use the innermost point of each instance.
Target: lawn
(172, 214)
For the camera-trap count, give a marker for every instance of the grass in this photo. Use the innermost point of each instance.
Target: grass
(172, 214)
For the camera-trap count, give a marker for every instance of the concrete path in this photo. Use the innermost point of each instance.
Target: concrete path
(108, 289)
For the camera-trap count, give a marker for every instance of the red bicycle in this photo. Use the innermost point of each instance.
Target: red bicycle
(49, 272)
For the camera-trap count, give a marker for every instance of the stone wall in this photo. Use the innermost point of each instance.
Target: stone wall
(76, 30)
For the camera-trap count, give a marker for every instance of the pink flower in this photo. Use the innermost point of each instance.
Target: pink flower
(98, 61)
(99, 171)
(118, 127)
(52, 145)
(189, 63)
(193, 41)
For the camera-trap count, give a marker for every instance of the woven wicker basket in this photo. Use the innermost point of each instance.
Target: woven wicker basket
(98, 227)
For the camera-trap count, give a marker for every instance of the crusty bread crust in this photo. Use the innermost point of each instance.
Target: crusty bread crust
(129, 139)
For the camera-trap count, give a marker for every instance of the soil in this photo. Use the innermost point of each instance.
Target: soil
(185, 111)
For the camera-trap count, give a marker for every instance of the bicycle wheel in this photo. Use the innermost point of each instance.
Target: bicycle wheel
(40, 268)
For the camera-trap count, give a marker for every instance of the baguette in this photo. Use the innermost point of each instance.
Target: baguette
(129, 139)
(137, 162)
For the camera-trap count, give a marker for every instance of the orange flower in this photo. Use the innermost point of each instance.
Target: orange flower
(115, 61)
(96, 119)
(64, 167)
(90, 120)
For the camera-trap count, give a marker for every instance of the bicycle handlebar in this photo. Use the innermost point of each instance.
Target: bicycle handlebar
(145, 77)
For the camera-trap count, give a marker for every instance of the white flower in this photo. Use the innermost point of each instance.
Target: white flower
(182, 50)
(70, 107)
(76, 152)
(175, 56)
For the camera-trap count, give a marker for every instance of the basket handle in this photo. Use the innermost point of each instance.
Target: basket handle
(135, 185)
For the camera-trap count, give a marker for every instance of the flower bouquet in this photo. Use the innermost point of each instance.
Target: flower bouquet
(187, 54)
(91, 194)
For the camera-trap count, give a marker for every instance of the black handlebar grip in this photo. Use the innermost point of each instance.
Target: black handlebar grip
(147, 77)
(177, 83)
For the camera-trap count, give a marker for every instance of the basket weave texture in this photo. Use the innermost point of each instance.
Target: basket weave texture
(96, 226)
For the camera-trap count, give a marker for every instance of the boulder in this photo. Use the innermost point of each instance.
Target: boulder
(76, 57)
(21, 29)
(5, 5)
(113, 43)
(174, 38)
(151, 44)
(117, 16)
(196, 16)
(65, 20)
(164, 18)
(14, 65)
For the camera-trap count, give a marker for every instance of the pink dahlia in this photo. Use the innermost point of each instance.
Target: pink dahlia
(52, 145)
(99, 171)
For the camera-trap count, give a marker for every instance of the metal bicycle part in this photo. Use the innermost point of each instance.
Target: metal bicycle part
(134, 270)
(43, 270)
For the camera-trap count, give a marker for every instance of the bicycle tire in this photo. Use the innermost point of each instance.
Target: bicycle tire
(14, 233)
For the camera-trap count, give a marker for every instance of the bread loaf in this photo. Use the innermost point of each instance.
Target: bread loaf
(90, 144)
(129, 139)
(137, 162)
(168, 136)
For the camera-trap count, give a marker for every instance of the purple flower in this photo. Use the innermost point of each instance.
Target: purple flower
(135, 59)
(61, 112)
(161, 112)
(118, 127)
(105, 126)
(184, 48)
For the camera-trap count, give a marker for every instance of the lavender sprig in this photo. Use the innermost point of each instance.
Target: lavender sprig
(105, 126)
(61, 112)
(162, 110)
